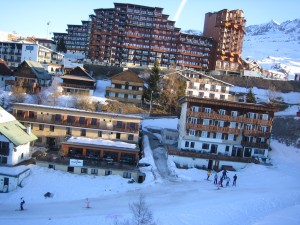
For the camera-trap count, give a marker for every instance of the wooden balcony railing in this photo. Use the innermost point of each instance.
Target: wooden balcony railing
(255, 145)
(212, 156)
(78, 86)
(229, 118)
(211, 128)
(256, 133)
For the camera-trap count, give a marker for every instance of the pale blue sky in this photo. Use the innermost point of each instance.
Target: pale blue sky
(30, 17)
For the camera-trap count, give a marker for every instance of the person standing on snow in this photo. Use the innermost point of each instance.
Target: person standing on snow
(208, 174)
(234, 180)
(22, 203)
(87, 203)
(216, 179)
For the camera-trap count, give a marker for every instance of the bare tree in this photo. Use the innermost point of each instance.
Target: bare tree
(18, 91)
(55, 91)
(142, 215)
(84, 102)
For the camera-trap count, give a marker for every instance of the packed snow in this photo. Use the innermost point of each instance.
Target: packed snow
(263, 195)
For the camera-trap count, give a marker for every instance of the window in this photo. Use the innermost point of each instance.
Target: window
(222, 112)
(68, 131)
(84, 170)
(94, 121)
(219, 136)
(57, 117)
(108, 172)
(264, 128)
(195, 108)
(234, 113)
(206, 122)
(259, 151)
(51, 128)
(221, 123)
(248, 126)
(193, 120)
(265, 116)
(41, 126)
(204, 134)
(231, 137)
(207, 110)
(232, 125)
(99, 133)
(4, 148)
(83, 132)
(70, 119)
(94, 171)
(247, 152)
(187, 144)
(119, 124)
(126, 174)
(192, 144)
(192, 132)
(130, 137)
(227, 148)
(81, 120)
(205, 146)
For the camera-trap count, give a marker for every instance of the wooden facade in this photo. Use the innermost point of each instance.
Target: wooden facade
(126, 87)
(78, 81)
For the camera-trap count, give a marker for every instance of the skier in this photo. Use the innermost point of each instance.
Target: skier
(22, 203)
(224, 174)
(208, 174)
(221, 181)
(227, 181)
(216, 179)
(87, 203)
(234, 180)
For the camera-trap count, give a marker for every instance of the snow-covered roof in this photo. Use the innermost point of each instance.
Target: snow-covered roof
(5, 116)
(13, 171)
(101, 142)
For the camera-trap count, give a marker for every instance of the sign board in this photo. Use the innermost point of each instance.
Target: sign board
(29, 47)
(76, 162)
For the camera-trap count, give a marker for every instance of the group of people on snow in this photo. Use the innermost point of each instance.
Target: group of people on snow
(223, 178)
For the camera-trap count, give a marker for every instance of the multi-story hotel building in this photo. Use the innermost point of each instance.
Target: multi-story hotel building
(99, 143)
(222, 134)
(139, 35)
(227, 28)
(77, 37)
(53, 124)
(15, 52)
(135, 35)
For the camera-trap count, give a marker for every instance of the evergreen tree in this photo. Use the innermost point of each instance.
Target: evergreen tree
(250, 98)
(152, 93)
(61, 47)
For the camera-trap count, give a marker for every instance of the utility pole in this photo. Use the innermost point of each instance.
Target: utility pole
(150, 102)
(48, 23)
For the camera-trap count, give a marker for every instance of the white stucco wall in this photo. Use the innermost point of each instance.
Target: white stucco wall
(28, 54)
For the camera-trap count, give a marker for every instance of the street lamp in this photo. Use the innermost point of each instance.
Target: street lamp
(150, 101)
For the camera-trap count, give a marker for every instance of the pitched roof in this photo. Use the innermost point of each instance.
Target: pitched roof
(127, 76)
(4, 69)
(38, 70)
(13, 130)
(78, 73)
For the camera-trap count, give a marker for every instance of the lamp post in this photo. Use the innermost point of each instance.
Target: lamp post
(150, 102)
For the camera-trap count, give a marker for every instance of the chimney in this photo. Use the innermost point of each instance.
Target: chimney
(28, 130)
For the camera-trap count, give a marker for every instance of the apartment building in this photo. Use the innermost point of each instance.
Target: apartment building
(15, 52)
(227, 28)
(222, 134)
(205, 86)
(126, 87)
(53, 125)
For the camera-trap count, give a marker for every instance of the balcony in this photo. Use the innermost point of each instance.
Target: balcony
(211, 128)
(229, 118)
(76, 123)
(255, 145)
(256, 133)
(78, 86)
(211, 156)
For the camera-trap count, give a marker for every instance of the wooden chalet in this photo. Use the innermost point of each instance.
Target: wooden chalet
(5, 73)
(32, 75)
(126, 87)
(78, 81)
